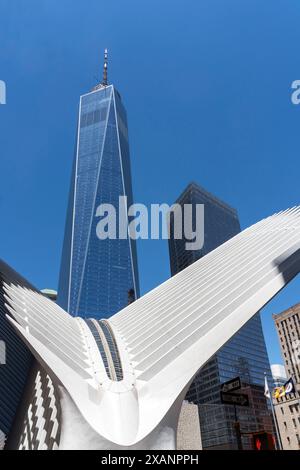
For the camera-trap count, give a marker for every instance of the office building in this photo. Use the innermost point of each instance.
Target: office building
(288, 328)
(98, 277)
(245, 355)
(287, 406)
(221, 223)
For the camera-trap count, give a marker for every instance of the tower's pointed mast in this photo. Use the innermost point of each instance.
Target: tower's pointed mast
(104, 81)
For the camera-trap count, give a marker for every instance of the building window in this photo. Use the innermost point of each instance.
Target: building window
(294, 423)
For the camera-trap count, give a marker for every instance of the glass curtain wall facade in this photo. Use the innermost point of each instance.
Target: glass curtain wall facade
(245, 355)
(98, 277)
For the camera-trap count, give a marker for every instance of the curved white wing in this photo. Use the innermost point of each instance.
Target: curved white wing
(166, 336)
(174, 329)
(35, 316)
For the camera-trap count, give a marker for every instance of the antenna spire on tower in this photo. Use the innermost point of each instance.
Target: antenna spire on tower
(104, 81)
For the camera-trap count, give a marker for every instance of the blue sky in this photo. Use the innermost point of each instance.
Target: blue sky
(206, 84)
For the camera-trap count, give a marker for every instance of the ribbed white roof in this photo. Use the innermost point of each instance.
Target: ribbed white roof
(164, 337)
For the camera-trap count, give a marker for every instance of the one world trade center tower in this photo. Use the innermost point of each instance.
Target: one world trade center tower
(98, 277)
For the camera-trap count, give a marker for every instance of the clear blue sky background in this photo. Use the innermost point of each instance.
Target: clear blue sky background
(206, 84)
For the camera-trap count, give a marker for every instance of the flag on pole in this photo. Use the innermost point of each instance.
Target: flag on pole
(267, 391)
(289, 386)
(284, 390)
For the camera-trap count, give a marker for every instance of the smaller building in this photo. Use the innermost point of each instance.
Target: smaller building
(287, 405)
(287, 410)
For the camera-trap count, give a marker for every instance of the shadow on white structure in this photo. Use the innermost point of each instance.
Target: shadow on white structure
(121, 381)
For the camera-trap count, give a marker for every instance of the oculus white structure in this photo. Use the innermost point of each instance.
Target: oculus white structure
(121, 381)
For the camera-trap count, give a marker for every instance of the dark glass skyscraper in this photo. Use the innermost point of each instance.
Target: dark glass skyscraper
(221, 223)
(98, 277)
(245, 355)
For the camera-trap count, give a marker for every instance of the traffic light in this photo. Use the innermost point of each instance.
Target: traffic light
(263, 441)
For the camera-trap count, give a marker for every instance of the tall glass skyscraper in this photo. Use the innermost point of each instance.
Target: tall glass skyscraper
(245, 355)
(98, 277)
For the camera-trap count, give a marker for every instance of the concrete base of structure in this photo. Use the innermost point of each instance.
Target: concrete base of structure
(188, 432)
